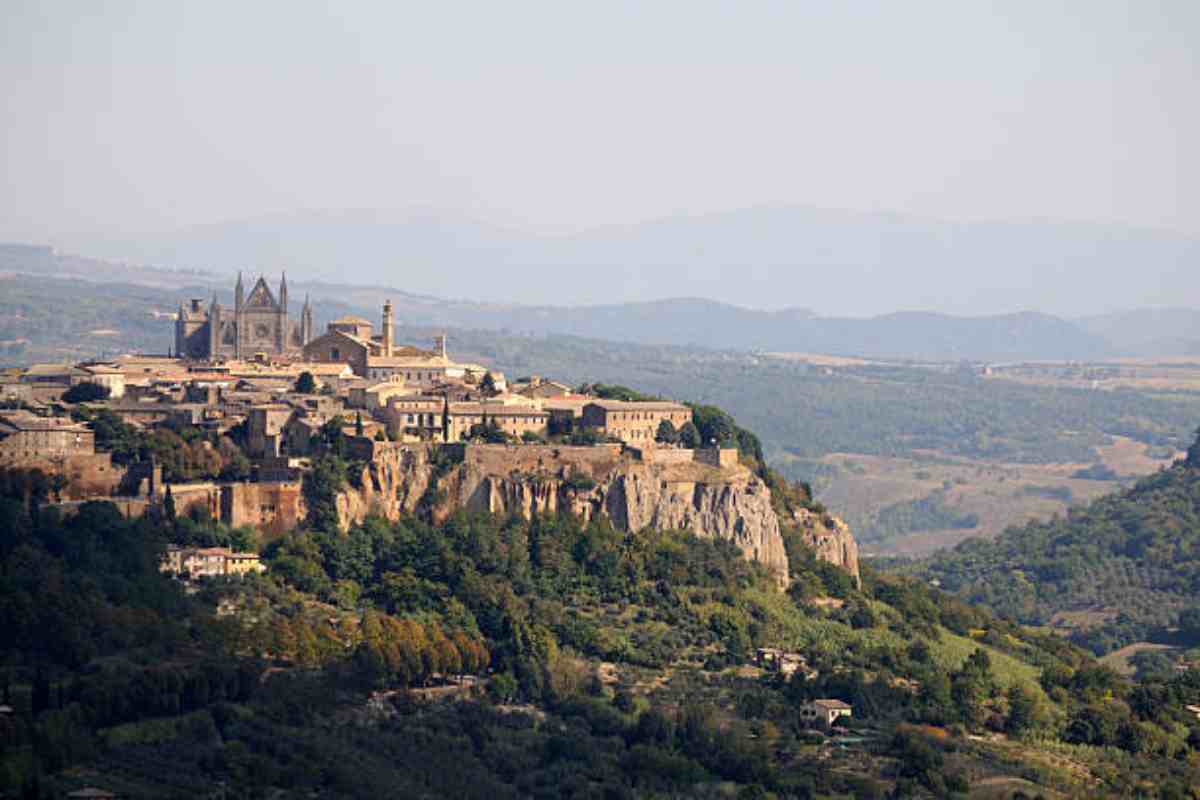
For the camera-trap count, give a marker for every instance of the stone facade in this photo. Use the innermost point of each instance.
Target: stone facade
(825, 713)
(633, 423)
(338, 347)
(264, 430)
(26, 439)
(258, 323)
(273, 508)
(199, 562)
(512, 419)
(414, 418)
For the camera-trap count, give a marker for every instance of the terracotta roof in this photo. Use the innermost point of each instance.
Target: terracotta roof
(31, 422)
(417, 360)
(494, 410)
(646, 405)
(356, 339)
(833, 705)
(49, 369)
(566, 403)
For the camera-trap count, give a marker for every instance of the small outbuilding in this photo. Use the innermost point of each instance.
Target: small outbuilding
(825, 713)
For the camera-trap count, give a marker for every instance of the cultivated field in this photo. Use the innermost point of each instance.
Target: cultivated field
(858, 487)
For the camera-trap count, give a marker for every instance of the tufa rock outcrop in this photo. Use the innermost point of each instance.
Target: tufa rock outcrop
(727, 502)
(830, 538)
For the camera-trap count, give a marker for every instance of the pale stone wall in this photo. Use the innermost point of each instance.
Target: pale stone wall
(503, 459)
(272, 508)
(724, 457)
(87, 474)
(42, 444)
(332, 348)
(663, 455)
(91, 475)
(190, 495)
(634, 423)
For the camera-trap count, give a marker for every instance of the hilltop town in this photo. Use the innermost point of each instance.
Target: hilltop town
(230, 422)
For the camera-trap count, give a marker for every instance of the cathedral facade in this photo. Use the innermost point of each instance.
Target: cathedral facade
(256, 324)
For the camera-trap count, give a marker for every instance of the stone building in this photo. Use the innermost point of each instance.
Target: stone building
(825, 713)
(264, 429)
(104, 375)
(350, 340)
(26, 439)
(375, 396)
(634, 423)
(415, 417)
(209, 561)
(510, 418)
(538, 388)
(258, 323)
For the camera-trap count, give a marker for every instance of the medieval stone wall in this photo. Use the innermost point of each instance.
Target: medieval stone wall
(273, 508)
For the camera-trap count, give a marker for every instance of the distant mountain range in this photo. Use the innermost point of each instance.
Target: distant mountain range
(1149, 331)
(805, 262)
(840, 264)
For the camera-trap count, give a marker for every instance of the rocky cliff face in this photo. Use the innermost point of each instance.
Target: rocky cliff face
(726, 503)
(830, 538)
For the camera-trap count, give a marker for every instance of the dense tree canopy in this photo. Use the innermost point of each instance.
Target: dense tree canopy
(1132, 558)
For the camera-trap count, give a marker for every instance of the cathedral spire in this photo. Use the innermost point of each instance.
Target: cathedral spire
(238, 293)
(283, 292)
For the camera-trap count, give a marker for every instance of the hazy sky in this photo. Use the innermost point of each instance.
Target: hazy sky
(129, 117)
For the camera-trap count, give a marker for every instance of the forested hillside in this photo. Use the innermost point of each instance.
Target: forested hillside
(614, 664)
(1132, 558)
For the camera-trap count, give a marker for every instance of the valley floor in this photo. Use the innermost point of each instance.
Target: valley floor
(862, 488)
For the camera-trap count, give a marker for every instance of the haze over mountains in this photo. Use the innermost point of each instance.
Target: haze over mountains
(986, 291)
(836, 263)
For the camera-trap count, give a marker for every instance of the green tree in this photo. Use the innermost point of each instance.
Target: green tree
(321, 486)
(1193, 453)
(306, 383)
(236, 469)
(169, 505)
(689, 435)
(1024, 715)
(489, 432)
(666, 433)
(85, 393)
(583, 437)
(487, 386)
(330, 438)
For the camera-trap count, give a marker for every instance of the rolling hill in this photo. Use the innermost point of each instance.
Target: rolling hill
(1128, 565)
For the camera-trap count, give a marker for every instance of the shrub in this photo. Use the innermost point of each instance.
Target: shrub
(85, 393)
(580, 482)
